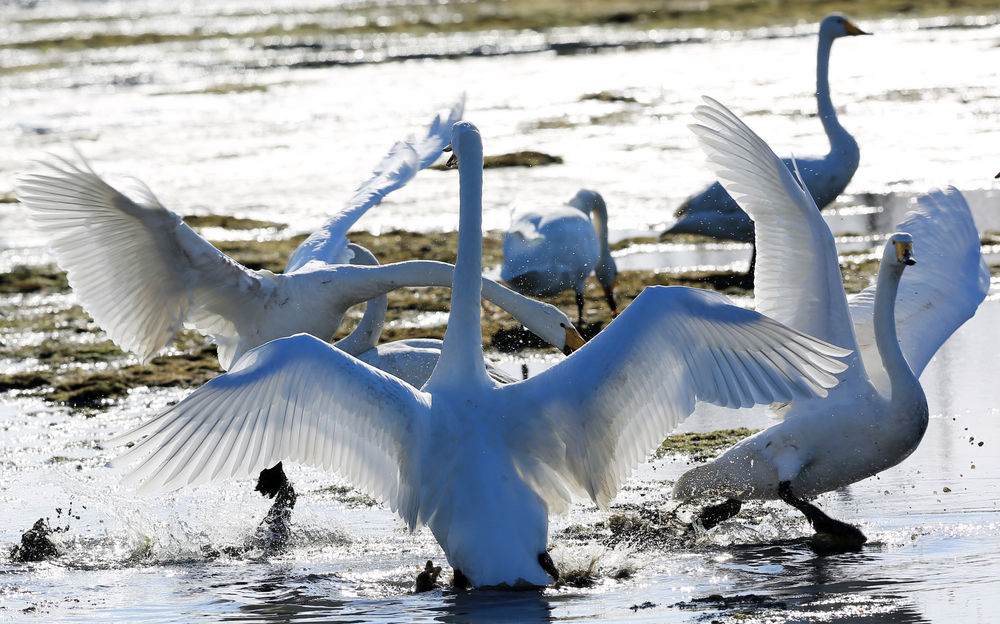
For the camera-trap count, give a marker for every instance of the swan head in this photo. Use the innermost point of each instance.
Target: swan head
(587, 201)
(900, 249)
(837, 25)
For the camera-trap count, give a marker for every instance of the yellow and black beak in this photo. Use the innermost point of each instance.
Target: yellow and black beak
(453, 160)
(904, 252)
(573, 339)
(853, 30)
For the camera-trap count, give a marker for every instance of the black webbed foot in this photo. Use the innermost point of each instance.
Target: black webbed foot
(713, 515)
(832, 536)
(460, 581)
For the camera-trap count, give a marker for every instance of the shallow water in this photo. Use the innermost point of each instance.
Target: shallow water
(291, 142)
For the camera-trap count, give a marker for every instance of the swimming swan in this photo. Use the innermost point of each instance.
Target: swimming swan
(859, 429)
(482, 464)
(142, 273)
(548, 251)
(713, 212)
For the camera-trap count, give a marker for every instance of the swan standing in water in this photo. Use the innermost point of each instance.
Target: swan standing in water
(713, 212)
(877, 415)
(143, 274)
(548, 251)
(481, 464)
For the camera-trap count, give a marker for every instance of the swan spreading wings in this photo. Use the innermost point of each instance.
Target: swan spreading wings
(877, 415)
(143, 274)
(479, 463)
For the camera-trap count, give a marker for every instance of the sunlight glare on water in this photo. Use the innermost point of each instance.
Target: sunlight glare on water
(285, 132)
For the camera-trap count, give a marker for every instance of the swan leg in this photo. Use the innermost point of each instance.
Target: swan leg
(831, 535)
(579, 307)
(550, 568)
(715, 514)
(460, 581)
(609, 296)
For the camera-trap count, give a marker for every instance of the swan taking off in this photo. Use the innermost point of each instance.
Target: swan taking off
(143, 274)
(548, 251)
(483, 465)
(859, 429)
(713, 212)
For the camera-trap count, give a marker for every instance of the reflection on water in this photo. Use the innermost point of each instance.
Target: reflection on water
(287, 144)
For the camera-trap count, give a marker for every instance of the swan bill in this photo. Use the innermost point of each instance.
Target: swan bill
(852, 29)
(904, 252)
(573, 339)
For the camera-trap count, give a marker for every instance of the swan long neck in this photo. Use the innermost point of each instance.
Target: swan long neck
(369, 329)
(903, 383)
(461, 359)
(599, 217)
(841, 140)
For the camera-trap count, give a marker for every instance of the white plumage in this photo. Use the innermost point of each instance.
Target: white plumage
(143, 274)
(548, 251)
(713, 212)
(860, 428)
(481, 464)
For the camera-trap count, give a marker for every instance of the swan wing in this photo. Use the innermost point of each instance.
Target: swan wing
(134, 265)
(296, 399)
(797, 280)
(937, 294)
(400, 165)
(584, 424)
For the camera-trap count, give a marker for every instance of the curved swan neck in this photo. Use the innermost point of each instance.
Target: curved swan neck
(840, 139)
(904, 385)
(365, 336)
(461, 360)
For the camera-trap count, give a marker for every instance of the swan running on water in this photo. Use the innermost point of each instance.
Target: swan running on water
(481, 464)
(548, 251)
(877, 415)
(713, 212)
(143, 274)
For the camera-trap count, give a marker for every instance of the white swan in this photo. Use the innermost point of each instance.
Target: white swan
(713, 212)
(142, 273)
(481, 464)
(548, 251)
(860, 429)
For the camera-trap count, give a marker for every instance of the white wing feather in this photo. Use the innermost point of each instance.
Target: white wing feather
(296, 399)
(797, 279)
(626, 389)
(134, 265)
(329, 243)
(937, 294)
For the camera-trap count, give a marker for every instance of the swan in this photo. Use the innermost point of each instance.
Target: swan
(142, 273)
(548, 251)
(877, 415)
(712, 212)
(482, 465)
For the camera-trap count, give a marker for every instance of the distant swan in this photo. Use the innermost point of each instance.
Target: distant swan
(859, 429)
(713, 212)
(143, 274)
(548, 251)
(481, 464)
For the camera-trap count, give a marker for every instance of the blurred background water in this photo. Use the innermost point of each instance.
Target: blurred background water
(278, 112)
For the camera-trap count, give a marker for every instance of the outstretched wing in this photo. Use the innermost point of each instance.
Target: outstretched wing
(296, 399)
(134, 265)
(797, 279)
(935, 296)
(329, 243)
(625, 390)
